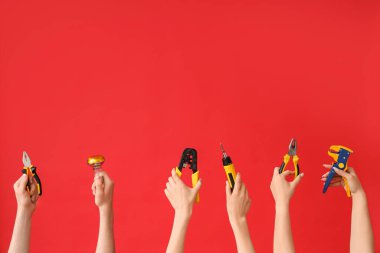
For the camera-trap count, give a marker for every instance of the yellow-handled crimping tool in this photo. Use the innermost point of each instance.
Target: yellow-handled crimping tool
(229, 168)
(340, 154)
(31, 170)
(292, 152)
(189, 158)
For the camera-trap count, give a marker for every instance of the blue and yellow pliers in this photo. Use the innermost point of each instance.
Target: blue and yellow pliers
(189, 158)
(340, 154)
(30, 170)
(292, 152)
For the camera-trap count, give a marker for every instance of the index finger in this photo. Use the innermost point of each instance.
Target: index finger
(174, 175)
(238, 184)
(276, 171)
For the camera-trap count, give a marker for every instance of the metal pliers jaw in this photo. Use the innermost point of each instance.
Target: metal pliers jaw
(340, 155)
(189, 159)
(31, 170)
(292, 152)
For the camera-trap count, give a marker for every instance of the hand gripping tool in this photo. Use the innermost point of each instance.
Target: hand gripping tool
(189, 158)
(340, 154)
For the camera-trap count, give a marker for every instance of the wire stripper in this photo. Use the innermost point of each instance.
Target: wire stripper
(229, 168)
(189, 158)
(340, 154)
(292, 152)
(30, 170)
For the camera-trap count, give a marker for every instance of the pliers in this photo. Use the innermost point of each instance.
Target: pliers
(292, 152)
(340, 154)
(31, 170)
(189, 158)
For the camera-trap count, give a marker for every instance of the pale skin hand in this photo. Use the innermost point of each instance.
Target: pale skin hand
(238, 204)
(102, 189)
(282, 192)
(361, 229)
(182, 198)
(26, 205)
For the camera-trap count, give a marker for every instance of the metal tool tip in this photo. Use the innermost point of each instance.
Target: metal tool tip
(221, 147)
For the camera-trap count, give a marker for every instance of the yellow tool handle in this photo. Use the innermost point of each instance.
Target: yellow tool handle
(231, 175)
(296, 166)
(286, 159)
(346, 186)
(284, 163)
(194, 181)
(179, 173)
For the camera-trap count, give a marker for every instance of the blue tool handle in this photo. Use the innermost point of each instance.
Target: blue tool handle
(328, 180)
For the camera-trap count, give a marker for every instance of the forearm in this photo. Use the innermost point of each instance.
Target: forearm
(177, 237)
(283, 238)
(242, 236)
(106, 241)
(361, 229)
(21, 233)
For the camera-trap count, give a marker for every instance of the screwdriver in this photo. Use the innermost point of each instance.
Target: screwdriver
(228, 168)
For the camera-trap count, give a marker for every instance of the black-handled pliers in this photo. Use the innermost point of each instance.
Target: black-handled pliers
(31, 170)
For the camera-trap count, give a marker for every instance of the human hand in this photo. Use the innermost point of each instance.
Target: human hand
(102, 189)
(238, 201)
(26, 201)
(180, 196)
(349, 175)
(282, 190)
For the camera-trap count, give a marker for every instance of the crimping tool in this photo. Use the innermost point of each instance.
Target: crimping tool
(189, 158)
(30, 170)
(292, 152)
(229, 168)
(340, 154)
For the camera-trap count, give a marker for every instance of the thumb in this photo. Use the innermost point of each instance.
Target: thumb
(24, 180)
(341, 173)
(197, 187)
(228, 190)
(297, 180)
(22, 183)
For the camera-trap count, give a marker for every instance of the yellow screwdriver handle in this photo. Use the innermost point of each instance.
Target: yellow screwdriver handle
(231, 175)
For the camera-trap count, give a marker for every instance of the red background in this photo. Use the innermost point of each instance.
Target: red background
(138, 81)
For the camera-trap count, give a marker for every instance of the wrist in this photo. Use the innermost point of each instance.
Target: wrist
(183, 215)
(239, 225)
(237, 222)
(24, 211)
(359, 195)
(282, 206)
(106, 209)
